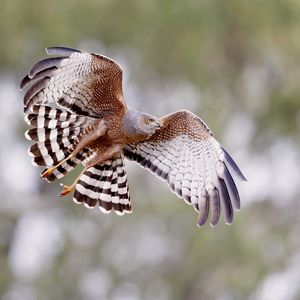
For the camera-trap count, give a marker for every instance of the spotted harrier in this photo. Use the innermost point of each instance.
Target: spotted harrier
(95, 128)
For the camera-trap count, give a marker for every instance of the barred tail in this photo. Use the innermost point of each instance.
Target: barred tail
(107, 185)
(56, 133)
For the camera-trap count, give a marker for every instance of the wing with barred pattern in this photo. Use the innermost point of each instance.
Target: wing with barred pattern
(84, 83)
(55, 133)
(185, 154)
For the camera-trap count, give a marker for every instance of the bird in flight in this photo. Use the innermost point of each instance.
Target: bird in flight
(75, 105)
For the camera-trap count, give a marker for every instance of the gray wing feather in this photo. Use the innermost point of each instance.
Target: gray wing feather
(203, 211)
(215, 207)
(26, 81)
(229, 160)
(34, 90)
(45, 64)
(64, 51)
(225, 198)
(232, 189)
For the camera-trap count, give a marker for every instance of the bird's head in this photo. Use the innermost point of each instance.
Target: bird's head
(139, 125)
(148, 124)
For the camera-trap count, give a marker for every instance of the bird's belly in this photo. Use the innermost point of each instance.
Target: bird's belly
(104, 142)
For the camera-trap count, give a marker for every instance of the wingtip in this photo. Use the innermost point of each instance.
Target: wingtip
(23, 83)
(46, 50)
(228, 222)
(61, 51)
(212, 225)
(199, 225)
(237, 208)
(202, 217)
(232, 164)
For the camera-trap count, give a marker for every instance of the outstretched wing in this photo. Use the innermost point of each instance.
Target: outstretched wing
(185, 154)
(86, 84)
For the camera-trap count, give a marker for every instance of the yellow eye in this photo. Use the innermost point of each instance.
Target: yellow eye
(149, 121)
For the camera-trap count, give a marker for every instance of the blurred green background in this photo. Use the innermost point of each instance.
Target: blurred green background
(235, 64)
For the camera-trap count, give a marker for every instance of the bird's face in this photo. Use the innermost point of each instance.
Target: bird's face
(149, 124)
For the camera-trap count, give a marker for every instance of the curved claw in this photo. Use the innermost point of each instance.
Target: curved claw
(49, 171)
(65, 190)
(46, 173)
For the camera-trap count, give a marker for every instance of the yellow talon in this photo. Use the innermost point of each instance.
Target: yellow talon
(47, 172)
(65, 190)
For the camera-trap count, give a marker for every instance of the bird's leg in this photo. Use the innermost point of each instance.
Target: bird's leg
(49, 171)
(111, 152)
(90, 134)
(67, 189)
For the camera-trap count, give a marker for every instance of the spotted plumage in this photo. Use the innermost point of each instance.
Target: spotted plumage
(95, 128)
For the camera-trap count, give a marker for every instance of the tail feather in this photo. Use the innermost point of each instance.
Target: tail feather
(105, 184)
(56, 134)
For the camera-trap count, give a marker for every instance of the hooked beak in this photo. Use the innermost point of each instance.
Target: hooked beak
(158, 125)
